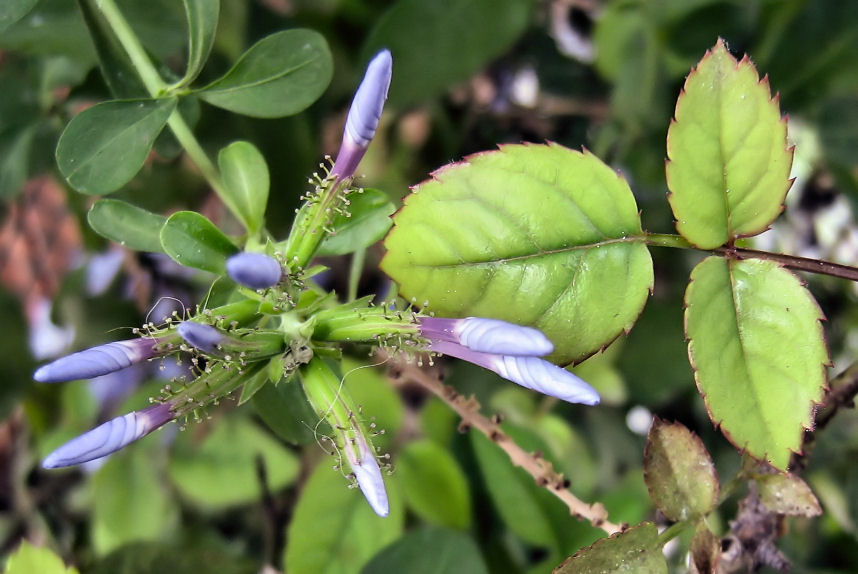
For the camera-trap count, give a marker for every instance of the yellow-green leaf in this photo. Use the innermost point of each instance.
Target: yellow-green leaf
(757, 348)
(728, 168)
(534, 234)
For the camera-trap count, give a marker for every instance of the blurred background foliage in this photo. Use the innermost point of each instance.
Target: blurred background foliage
(250, 488)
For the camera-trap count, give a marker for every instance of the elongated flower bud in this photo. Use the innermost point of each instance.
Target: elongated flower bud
(202, 337)
(368, 475)
(531, 372)
(96, 361)
(364, 114)
(109, 437)
(487, 335)
(254, 270)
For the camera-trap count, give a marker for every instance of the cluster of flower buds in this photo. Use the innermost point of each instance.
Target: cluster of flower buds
(228, 351)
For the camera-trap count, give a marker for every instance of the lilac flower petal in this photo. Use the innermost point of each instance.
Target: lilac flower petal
(254, 270)
(488, 335)
(203, 337)
(109, 437)
(96, 361)
(530, 372)
(364, 114)
(368, 476)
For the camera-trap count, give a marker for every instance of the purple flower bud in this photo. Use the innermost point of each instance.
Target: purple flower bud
(96, 361)
(530, 372)
(368, 475)
(364, 114)
(487, 335)
(202, 337)
(109, 437)
(254, 270)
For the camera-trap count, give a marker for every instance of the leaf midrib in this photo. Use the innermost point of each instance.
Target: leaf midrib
(250, 85)
(549, 252)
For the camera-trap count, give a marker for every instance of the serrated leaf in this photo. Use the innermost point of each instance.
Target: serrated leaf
(278, 76)
(245, 175)
(127, 225)
(757, 348)
(220, 470)
(202, 16)
(635, 551)
(437, 44)
(728, 168)
(679, 472)
(429, 550)
(333, 529)
(434, 484)
(13, 10)
(103, 147)
(537, 235)
(193, 241)
(28, 559)
(368, 221)
(787, 494)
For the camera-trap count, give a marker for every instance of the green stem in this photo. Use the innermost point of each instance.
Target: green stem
(672, 532)
(356, 270)
(156, 87)
(739, 253)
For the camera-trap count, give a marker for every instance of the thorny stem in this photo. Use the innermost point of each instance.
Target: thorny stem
(156, 87)
(536, 466)
(789, 261)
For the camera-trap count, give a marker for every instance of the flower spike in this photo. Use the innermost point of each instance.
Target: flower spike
(364, 114)
(109, 437)
(254, 270)
(96, 361)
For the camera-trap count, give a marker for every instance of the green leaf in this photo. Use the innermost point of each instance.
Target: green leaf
(127, 224)
(219, 469)
(728, 168)
(513, 493)
(634, 551)
(13, 10)
(202, 16)
(193, 241)
(116, 67)
(15, 161)
(252, 385)
(104, 146)
(29, 559)
(757, 348)
(440, 43)
(367, 222)
(278, 76)
(434, 484)
(679, 472)
(537, 235)
(130, 500)
(333, 529)
(202, 554)
(284, 408)
(787, 494)
(245, 175)
(429, 550)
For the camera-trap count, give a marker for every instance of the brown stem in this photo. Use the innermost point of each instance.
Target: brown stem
(535, 465)
(794, 262)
